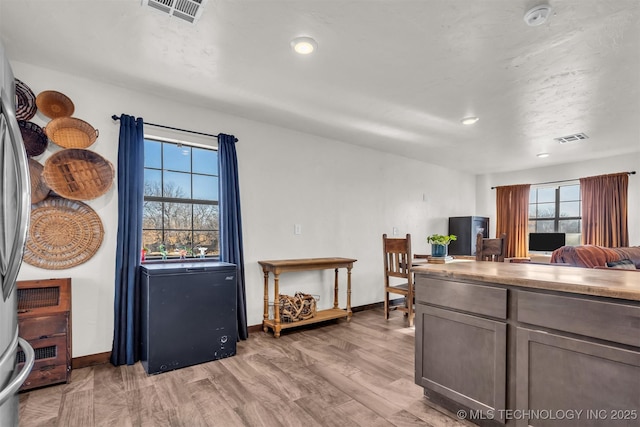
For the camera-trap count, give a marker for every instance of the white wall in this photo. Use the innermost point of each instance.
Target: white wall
(486, 197)
(344, 197)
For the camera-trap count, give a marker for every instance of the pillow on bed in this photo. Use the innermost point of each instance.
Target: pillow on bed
(623, 264)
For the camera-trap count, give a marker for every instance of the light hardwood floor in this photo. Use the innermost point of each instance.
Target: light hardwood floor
(339, 373)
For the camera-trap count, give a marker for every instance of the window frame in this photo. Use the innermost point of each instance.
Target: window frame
(188, 201)
(556, 217)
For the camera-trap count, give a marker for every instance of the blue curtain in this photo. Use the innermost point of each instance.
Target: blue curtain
(231, 222)
(126, 331)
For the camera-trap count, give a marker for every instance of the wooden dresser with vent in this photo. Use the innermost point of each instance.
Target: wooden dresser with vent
(44, 320)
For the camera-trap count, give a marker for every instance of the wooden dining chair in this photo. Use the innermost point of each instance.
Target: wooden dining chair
(398, 278)
(491, 249)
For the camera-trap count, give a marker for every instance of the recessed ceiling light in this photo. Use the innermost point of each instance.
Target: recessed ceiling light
(469, 120)
(542, 155)
(304, 45)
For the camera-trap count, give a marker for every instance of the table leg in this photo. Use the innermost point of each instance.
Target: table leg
(276, 307)
(349, 313)
(266, 302)
(335, 290)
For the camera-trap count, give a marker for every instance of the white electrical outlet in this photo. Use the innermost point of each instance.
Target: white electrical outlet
(395, 231)
(297, 229)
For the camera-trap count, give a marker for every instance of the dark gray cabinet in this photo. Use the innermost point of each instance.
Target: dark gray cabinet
(476, 379)
(576, 353)
(463, 355)
(565, 375)
(466, 228)
(524, 356)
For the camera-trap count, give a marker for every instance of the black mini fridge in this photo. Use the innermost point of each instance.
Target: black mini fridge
(188, 314)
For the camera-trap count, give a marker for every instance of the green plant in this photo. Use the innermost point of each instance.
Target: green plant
(440, 239)
(163, 251)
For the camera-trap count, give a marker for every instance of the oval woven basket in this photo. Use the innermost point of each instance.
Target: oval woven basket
(62, 234)
(78, 174)
(34, 138)
(39, 188)
(54, 104)
(25, 101)
(70, 132)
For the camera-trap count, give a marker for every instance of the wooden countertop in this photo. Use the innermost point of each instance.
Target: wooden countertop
(587, 281)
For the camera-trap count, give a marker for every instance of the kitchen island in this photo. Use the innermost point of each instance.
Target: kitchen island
(528, 344)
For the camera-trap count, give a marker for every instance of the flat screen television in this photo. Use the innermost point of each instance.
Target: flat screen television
(546, 242)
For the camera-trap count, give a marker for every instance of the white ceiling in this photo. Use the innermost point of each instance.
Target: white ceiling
(392, 75)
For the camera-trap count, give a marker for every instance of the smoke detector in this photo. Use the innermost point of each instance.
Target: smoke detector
(188, 10)
(537, 15)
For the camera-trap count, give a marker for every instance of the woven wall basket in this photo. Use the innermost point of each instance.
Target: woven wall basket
(34, 139)
(25, 101)
(62, 234)
(78, 174)
(54, 104)
(70, 132)
(39, 188)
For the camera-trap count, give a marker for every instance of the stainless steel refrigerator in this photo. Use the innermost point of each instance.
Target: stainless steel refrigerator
(15, 204)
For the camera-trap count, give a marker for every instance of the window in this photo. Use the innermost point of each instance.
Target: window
(181, 213)
(556, 210)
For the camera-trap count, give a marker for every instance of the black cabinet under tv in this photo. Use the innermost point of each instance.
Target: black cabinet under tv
(466, 228)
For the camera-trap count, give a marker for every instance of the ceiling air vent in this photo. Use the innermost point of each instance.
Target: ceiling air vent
(576, 137)
(189, 10)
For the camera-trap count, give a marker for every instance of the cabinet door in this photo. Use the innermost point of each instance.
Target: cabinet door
(462, 357)
(596, 384)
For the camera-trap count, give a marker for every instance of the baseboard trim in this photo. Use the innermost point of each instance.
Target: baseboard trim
(102, 358)
(254, 328)
(90, 360)
(392, 303)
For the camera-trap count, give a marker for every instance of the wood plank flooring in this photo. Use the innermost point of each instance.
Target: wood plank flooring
(339, 373)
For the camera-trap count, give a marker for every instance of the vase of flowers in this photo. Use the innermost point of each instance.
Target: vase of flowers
(440, 244)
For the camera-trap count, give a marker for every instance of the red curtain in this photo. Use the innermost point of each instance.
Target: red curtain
(512, 218)
(604, 210)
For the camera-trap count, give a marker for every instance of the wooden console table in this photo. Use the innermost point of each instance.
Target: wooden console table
(286, 265)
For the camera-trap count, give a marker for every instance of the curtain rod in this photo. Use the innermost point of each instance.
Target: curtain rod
(116, 118)
(568, 180)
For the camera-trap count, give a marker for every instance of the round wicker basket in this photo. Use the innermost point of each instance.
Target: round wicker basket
(39, 188)
(62, 234)
(54, 104)
(70, 132)
(78, 174)
(25, 101)
(34, 138)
